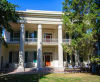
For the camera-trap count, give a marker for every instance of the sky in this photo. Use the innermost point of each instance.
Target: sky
(48, 5)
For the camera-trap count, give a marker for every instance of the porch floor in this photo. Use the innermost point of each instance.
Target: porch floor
(36, 71)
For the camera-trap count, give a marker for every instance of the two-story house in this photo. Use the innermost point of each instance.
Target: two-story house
(36, 41)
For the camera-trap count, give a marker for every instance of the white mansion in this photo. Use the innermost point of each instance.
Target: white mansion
(36, 41)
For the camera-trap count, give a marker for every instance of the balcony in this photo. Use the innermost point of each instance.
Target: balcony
(66, 41)
(52, 41)
(45, 41)
(31, 41)
(13, 40)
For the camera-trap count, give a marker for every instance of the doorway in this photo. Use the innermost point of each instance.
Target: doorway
(47, 60)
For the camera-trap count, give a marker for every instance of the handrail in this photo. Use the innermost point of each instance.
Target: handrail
(44, 40)
(49, 40)
(66, 40)
(30, 39)
(14, 39)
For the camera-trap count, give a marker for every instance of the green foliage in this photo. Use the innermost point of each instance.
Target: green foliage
(95, 59)
(79, 20)
(7, 15)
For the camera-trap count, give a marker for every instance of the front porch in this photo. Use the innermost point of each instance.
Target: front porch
(11, 56)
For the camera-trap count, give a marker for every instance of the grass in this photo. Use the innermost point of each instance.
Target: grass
(58, 77)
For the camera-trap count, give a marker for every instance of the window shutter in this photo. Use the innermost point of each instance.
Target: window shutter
(68, 58)
(67, 36)
(26, 55)
(73, 58)
(10, 57)
(11, 35)
(26, 34)
(81, 59)
(35, 57)
(35, 34)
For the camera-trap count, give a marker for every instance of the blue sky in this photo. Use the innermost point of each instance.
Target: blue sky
(49, 5)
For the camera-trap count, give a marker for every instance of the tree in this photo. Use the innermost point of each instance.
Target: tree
(98, 24)
(79, 20)
(96, 58)
(8, 14)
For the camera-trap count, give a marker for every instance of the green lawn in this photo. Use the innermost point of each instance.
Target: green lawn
(77, 77)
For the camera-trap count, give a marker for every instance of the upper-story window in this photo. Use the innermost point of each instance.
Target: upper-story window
(67, 36)
(14, 36)
(47, 36)
(31, 34)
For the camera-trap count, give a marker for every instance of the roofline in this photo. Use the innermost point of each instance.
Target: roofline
(41, 12)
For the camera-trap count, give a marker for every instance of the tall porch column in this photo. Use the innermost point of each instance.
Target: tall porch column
(60, 49)
(76, 58)
(39, 47)
(21, 50)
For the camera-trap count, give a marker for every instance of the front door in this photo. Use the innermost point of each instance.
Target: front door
(47, 60)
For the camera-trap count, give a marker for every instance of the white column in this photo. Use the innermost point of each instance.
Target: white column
(39, 47)
(76, 58)
(21, 50)
(60, 49)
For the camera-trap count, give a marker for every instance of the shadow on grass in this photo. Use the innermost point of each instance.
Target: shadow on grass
(21, 78)
(29, 76)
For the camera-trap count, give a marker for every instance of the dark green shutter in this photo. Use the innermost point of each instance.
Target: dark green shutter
(26, 34)
(67, 36)
(10, 57)
(81, 59)
(11, 35)
(26, 55)
(73, 58)
(35, 57)
(35, 34)
(68, 58)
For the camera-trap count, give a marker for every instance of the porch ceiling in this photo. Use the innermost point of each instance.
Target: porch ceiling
(29, 26)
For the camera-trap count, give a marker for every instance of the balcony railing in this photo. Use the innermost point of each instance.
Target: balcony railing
(30, 39)
(34, 40)
(50, 41)
(13, 40)
(66, 40)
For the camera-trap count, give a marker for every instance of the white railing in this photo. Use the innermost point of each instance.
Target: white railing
(53, 40)
(14, 39)
(66, 40)
(30, 39)
(34, 40)
(17, 40)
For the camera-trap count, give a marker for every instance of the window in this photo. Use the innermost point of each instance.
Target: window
(10, 57)
(67, 36)
(30, 56)
(35, 57)
(47, 36)
(35, 34)
(26, 55)
(15, 36)
(13, 57)
(68, 58)
(31, 34)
